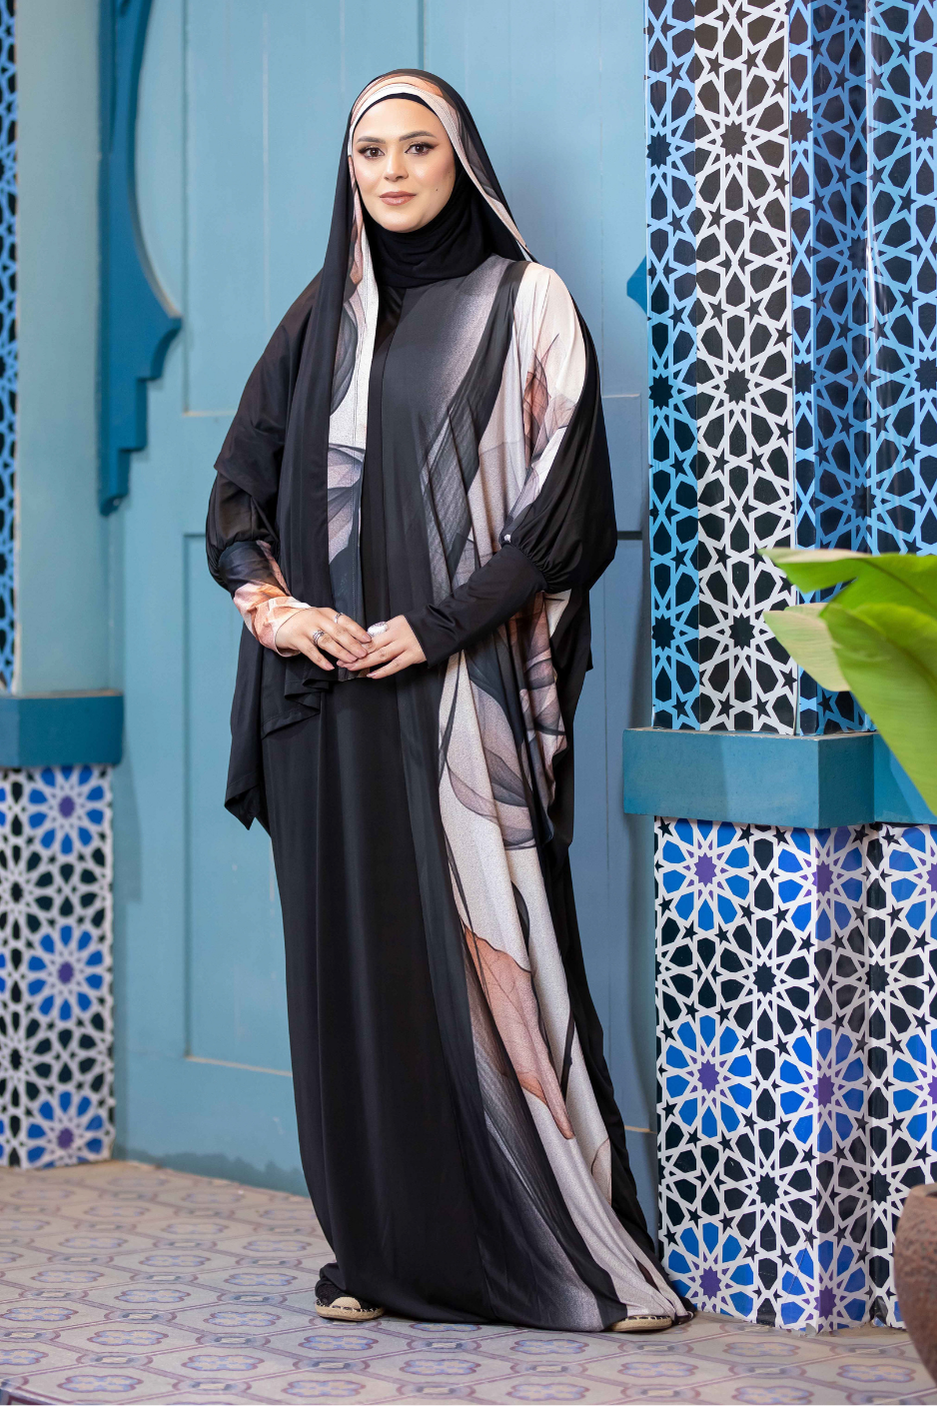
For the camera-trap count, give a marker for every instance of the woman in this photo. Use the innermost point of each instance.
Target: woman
(411, 505)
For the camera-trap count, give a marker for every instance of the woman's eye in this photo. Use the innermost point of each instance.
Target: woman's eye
(420, 148)
(369, 152)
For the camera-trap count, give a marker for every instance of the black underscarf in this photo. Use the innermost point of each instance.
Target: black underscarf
(453, 243)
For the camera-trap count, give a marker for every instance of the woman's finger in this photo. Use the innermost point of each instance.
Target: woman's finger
(342, 634)
(327, 641)
(344, 656)
(310, 651)
(377, 657)
(345, 622)
(401, 661)
(352, 643)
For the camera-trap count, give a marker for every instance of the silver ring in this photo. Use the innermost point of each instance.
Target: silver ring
(317, 635)
(338, 616)
(378, 629)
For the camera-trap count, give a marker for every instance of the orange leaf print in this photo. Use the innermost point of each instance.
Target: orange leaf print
(512, 1001)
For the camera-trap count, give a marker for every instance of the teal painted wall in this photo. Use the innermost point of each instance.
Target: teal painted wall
(242, 106)
(63, 624)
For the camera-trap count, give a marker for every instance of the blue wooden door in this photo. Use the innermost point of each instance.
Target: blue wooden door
(242, 109)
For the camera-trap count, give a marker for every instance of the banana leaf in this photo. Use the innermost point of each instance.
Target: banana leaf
(895, 577)
(888, 654)
(877, 637)
(806, 636)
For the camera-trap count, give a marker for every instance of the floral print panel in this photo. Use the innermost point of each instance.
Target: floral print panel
(56, 1065)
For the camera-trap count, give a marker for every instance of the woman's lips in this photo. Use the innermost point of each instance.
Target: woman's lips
(399, 197)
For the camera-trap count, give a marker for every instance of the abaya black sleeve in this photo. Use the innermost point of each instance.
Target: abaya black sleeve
(253, 448)
(234, 531)
(240, 531)
(491, 595)
(243, 549)
(561, 540)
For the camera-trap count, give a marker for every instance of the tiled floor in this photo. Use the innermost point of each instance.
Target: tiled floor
(124, 1283)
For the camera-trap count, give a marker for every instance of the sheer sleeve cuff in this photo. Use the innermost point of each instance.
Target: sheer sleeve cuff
(264, 608)
(491, 595)
(282, 611)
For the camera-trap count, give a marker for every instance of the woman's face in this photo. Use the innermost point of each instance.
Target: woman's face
(404, 164)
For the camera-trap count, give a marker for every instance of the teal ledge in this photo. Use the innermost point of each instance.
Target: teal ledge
(61, 729)
(757, 778)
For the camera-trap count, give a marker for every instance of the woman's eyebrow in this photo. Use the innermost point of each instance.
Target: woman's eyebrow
(407, 137)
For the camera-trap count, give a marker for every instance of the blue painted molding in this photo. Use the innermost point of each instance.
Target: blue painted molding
(137, 321)
(896, 796)
(61, 729)
(636, 287)
(760, 778)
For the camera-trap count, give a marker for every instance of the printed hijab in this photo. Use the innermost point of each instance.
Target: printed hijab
(330, 419)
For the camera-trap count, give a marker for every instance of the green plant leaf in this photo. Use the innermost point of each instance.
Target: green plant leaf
(812, 569)
(888, 656)
(899, 578)
(805, 635)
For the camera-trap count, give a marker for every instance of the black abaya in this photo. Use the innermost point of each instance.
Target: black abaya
(458, 1128)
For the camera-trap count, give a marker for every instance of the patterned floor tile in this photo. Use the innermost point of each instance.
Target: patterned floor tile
(166, 1288)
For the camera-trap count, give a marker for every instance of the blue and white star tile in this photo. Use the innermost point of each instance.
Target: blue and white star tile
(707, 1265)
(762, 1076)
(56, 1104)
(66, 807)
(708, 1076)
(66, 971)
(902, 1035)
(704, 872)
(63, 1128)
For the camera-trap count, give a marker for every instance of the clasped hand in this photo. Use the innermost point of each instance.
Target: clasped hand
(394, 649)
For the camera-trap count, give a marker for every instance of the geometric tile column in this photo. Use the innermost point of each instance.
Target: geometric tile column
(56, 1067)
(762, 981)
(792, 302)
(901, 926)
